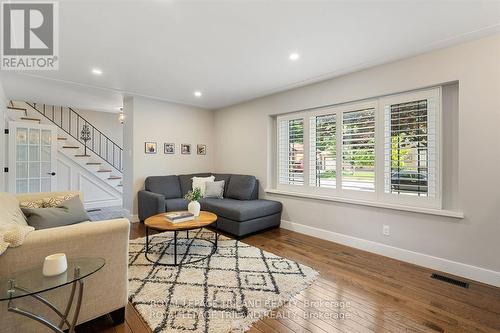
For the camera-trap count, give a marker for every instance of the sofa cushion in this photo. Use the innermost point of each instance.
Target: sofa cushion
(200, 182)
(56, 201)
(176, 204)
(214, 189)
(167, 185)
(186, 182)
(240, 210)
(36, 203)
(241, 187)
(225, 177)
(69, 212)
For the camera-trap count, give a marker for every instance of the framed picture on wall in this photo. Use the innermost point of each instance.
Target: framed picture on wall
(201, 149)
(185, 149)
(169, 148)
(150, 147)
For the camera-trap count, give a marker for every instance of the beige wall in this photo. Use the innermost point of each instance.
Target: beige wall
(244, 143)
(163, 122)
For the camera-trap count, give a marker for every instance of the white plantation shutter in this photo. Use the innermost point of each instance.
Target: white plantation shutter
(383, 150)
(323, 154)
(358, 150)
(410, 145)
(291, 151)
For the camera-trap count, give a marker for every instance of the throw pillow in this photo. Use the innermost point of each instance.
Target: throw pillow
(214, 189)
(56, 201)
(32, 204)
(10, 212)
(69, 212)
(200, 183)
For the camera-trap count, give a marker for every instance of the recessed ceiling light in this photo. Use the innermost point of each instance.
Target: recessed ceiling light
(294, 56)
(197, 94)
(96, 71)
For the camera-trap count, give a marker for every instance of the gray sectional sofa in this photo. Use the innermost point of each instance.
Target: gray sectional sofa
(240, 212)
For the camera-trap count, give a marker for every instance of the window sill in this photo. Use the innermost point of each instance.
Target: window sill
(430, 211)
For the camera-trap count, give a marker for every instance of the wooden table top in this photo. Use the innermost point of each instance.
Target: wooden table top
(160, 222)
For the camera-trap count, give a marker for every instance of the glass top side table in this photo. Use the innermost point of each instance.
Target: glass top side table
(31, 282)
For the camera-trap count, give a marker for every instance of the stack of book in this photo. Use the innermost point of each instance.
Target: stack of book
(177, 217)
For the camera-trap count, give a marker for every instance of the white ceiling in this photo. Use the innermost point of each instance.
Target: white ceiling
(234, 51)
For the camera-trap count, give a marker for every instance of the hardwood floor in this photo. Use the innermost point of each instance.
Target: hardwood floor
(379, 294)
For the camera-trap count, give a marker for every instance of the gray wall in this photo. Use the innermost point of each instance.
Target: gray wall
(244, 144)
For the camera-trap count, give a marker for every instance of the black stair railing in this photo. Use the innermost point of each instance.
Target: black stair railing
(72, 123)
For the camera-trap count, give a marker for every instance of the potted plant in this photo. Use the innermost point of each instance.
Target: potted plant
(193, 197)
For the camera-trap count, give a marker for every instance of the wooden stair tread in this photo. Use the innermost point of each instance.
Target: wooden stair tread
(103, 170)
(15, 108)
(28, 118)
(119, 185)
(82, 155)
(115, 177)
(62, 139)
(71, 147)
(94, 163)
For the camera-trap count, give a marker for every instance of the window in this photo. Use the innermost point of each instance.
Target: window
(385, 149)
(358, 150)
(291, 151)
(411, 154)
(323, 151)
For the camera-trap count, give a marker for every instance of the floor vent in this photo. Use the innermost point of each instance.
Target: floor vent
(450, 280)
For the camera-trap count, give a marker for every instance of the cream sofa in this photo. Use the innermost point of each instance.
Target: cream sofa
(104, 292)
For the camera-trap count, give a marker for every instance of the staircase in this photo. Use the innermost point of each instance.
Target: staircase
(99, 155)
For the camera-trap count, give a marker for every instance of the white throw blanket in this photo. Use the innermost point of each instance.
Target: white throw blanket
(13, 226)
(13, 235)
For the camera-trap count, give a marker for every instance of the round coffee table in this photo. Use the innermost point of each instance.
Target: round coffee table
(160, 223)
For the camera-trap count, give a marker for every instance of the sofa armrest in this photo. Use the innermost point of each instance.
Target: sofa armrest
(150, 204)
(105, 291)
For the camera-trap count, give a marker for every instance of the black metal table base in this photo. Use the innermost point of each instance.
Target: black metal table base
(159, 262)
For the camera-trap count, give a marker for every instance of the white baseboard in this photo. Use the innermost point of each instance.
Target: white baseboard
(440, 264)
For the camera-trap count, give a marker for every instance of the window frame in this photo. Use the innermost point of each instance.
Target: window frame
(378, 195)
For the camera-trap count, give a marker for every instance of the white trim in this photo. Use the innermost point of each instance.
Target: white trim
(423, 210)
(452, 267)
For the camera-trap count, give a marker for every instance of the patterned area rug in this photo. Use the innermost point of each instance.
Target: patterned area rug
(226, 292)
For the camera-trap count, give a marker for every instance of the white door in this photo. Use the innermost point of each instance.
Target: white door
(32, 157)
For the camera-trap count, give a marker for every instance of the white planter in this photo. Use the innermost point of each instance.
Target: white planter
(194, 208)
(55, 264)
